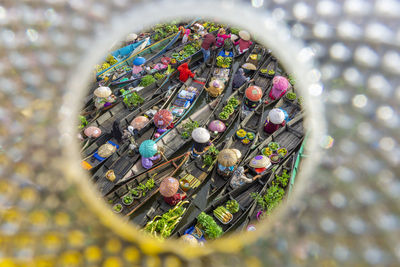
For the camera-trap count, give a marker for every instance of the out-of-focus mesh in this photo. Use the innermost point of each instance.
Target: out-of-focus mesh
(350, 213)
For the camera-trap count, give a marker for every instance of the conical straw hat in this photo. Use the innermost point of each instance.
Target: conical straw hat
(102, 91)
(260, 161)
(106, 150)
(227, 157)
(244, 35)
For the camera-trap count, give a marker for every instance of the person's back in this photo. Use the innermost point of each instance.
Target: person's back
(209, 41)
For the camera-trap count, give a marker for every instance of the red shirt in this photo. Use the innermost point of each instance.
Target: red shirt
(174, 199)
(243, 44)
(209, 40)
(184, 72)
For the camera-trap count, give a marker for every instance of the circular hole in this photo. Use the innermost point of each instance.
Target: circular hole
(113, 166)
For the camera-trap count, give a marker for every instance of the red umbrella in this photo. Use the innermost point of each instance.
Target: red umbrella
(169, 186)
(92, 131)
(163, 118)
(254, 93)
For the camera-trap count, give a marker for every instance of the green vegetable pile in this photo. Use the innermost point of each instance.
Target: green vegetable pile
(147, 80)
(223, 115)
(117, 207)
(291, 80)
(274, 194)
(159, 76)
(235, 31)
(142, 188)
(233, 101)
(128, 199)
(291, 96)
(163, 30)
(232, 206)
(222, 214)
(210, 227)
(189, 127)
(131, 99)
(271, 72)
(229, 109)
(273, 146)
(84, 122)
(224, 62)
(162, 226)
(210, 156)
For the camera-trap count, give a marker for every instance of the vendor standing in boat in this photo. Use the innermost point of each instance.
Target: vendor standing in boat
(137, 69)
(201, 142)
(252, 98)
(103, 97)
(227, 160)
(185, 72)
(149, 152)
(244, 43)
(208, 43)
(221, 37)
(215, 88)
(275, 120)
(280, 85)
(169, 190)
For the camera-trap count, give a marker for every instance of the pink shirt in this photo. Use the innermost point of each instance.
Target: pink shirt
(221, 39)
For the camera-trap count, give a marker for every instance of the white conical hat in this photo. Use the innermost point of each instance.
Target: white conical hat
(201, 135)
(131, 37)
(244, 35)
(276, 116)
(102, 91)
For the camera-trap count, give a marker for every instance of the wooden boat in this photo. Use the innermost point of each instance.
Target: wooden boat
(195, 173)
(124, 165)
(261, 81)
(157, 174)
(198, 84)
(124, 79)
(288, 137)
(254, 210)
(161, 46)
(243, 195)
(121, 162)
(105, 121)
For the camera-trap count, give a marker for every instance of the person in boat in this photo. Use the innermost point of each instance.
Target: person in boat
(201, 142)
(185, 37)
(116, 131)
(227, 160)
(131, 38)
(244, 43)
(239, 79)
(252, 99)
(150, 153)
(239, 178)
(275, 120)
(199, 29)
(185, 72)
(280, 85)
(259, 165)
(208, 44)
(215, 88)
(222, 35)
(138, 69)
(175, 199)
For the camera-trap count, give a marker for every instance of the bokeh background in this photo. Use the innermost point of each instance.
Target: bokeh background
(349, 213)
